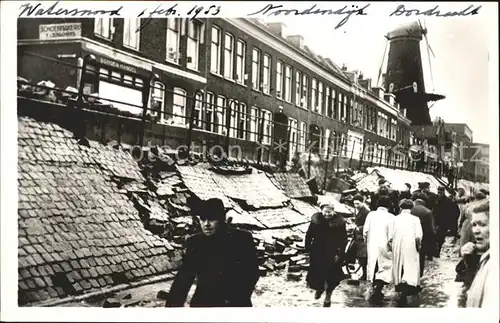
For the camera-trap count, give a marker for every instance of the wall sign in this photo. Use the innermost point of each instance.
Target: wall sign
(117, 65)
(60, 31)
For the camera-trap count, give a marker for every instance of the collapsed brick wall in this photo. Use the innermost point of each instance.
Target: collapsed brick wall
(78, 231)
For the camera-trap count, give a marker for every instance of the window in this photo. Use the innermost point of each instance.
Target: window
(253, 124)
(220, 116)
(279, 79)
(339, 106)
(288, 83)
(266, 116)
(240, 62)
(193, 44)
(198, 108)
(232, 122)
(209, 115)
(333, 106)
(103, 27)
(255, 69)
(241, 121)
(344, 109)
(353, 112)
(303, 133)
(328, 111)
(293, 126)
(157, 100)
(266, 74)
(228, 56)
(320, 97)
(130, 33)
(305, 91)
(313, 95)
(326, 143)
(173, 28)
(179, 106)
(215, 51)
(298, 87)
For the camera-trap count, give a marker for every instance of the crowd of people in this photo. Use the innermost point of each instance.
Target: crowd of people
(396, 232)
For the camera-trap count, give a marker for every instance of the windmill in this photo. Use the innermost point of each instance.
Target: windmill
(404, 76)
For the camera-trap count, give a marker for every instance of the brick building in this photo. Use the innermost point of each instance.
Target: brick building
(242, 81)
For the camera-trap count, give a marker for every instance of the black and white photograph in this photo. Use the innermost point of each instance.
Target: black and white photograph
(250, 155)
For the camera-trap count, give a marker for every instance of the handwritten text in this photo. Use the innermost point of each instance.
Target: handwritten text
(401, 10)
(28, 10)
(276, 10)
(173, 11)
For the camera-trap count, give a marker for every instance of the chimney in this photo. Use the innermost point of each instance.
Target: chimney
(297, 40)
(276, 27)
(344, 68)
(380, 92)
(391, 98)
(360, 77)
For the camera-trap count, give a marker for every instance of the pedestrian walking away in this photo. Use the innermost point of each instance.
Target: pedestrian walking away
(406, 244)
(377, 232)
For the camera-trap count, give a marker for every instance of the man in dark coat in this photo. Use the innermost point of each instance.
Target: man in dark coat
(325, 241)
(446, 215)
(424, 187)
(224, 261)
(428, 248)
(384, 189)
(362, 211)
(406, 193)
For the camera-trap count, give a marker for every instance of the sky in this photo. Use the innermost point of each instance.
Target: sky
(459, 69)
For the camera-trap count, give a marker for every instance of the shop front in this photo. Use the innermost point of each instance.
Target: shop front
(115, 83)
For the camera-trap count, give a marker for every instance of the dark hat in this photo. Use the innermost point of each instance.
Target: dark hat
(382, 181)
(484, 191)
(423, 185)
(211, 209)
(408, 185)
(440, 188)
(358, 197)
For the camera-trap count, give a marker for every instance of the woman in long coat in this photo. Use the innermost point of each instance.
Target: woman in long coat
(326, 239)
(406, 243)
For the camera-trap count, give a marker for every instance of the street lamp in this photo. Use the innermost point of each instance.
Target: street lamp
(80, 127)
(89, 58)
(229, 111)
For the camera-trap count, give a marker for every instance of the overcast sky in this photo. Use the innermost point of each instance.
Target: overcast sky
(459, 69)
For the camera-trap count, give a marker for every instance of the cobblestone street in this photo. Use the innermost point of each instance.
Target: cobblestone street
(274, 290)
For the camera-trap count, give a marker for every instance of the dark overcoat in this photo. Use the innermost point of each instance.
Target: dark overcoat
(360, 242)
(226, 268)
(428, 233)
(325, 240)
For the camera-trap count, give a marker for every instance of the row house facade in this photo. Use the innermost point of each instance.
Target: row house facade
(239, 80)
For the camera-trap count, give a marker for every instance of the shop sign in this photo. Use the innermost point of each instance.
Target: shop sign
(60, 31)
(117, 65)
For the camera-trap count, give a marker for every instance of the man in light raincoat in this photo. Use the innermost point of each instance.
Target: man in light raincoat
(406, 243)
(377, 232)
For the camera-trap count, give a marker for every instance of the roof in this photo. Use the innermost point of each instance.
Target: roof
(77, 230)
(255, 190)
(278, 218)
(292, 184)
(398, 178)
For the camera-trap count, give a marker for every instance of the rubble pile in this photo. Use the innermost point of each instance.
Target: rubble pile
(78, 230)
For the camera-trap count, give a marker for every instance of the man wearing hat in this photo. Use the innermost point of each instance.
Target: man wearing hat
(425, 187)
(222, 259)
(385, 190)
